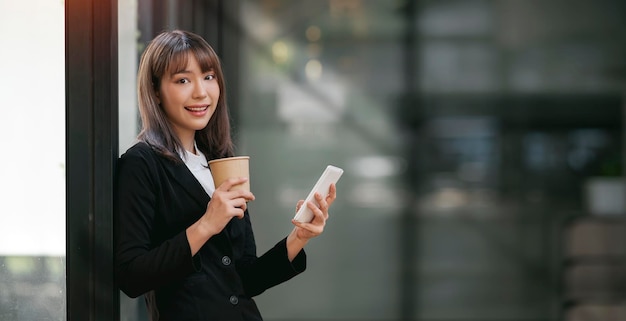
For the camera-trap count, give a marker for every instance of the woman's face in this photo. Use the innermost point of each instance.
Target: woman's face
(189, 98)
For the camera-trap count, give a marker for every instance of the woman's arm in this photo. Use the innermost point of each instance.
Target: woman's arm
(287, 258)
(303, 232)
(140, 266)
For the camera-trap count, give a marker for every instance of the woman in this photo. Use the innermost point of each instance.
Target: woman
(185, 244)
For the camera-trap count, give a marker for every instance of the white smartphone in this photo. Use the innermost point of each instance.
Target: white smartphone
(330, 175)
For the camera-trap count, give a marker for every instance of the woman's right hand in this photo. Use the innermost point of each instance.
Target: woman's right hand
(224, 205)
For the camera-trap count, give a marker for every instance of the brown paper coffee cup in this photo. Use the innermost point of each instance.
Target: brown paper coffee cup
(225, 168)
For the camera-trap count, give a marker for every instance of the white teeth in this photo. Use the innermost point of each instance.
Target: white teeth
(196, 108)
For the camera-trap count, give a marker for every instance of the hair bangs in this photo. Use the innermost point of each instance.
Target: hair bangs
(179, 57)
(206, 58)
(177, 62)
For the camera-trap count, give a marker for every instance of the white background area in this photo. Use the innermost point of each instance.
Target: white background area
(32, 128)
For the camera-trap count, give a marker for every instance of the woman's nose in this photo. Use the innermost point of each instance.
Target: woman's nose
(199, 91)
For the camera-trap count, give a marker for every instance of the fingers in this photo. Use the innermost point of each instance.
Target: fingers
(232, 203)
(312, 229)
(320, 211)
(228, 184)
(227, 190)
(299, 205)
(227, 196)
(332, 194)
(322, 208)
(248, 196)
(239, 203)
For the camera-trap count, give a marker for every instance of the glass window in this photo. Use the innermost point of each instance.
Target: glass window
(317, 79)
(128, 51)
(468, 131)
(32, 188)
(495, 148)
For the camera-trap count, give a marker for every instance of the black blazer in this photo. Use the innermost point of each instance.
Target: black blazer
(156, 200)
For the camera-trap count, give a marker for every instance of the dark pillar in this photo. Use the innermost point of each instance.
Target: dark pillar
(91, 152)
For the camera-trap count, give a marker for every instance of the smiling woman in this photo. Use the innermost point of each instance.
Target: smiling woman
(181, 87)
(32, 188)
(183, 242)
(189, 98)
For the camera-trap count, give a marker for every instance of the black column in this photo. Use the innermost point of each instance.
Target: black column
(91, 152)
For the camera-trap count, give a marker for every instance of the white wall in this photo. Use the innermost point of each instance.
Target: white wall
(32, 127)
(128, 51)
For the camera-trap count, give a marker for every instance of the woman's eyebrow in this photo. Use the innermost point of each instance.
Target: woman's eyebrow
(181, 72)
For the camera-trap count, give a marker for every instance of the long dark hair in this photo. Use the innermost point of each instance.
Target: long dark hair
(166, 53)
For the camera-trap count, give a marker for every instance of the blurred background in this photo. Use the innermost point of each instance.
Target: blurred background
(482, 143)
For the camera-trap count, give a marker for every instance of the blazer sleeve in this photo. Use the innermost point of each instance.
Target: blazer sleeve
(271, 268)
(139, 265)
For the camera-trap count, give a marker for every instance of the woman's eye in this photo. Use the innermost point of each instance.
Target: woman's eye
(183, 80)
(210, 77)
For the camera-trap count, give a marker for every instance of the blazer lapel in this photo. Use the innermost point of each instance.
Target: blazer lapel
(180, 173)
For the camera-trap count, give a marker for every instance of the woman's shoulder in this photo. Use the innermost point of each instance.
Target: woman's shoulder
(140, 150)
(143, 152)
(139, 147)
(139, 158)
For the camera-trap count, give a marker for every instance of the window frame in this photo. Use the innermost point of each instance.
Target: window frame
(91, 151)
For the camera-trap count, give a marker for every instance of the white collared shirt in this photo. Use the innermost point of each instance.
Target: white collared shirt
(197, 164)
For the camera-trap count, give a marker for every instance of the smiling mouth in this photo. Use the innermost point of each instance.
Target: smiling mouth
(197, 109)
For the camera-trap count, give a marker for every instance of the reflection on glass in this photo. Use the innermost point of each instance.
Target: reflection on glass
(32, 188)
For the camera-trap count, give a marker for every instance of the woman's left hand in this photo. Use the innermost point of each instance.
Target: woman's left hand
(306, 231)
